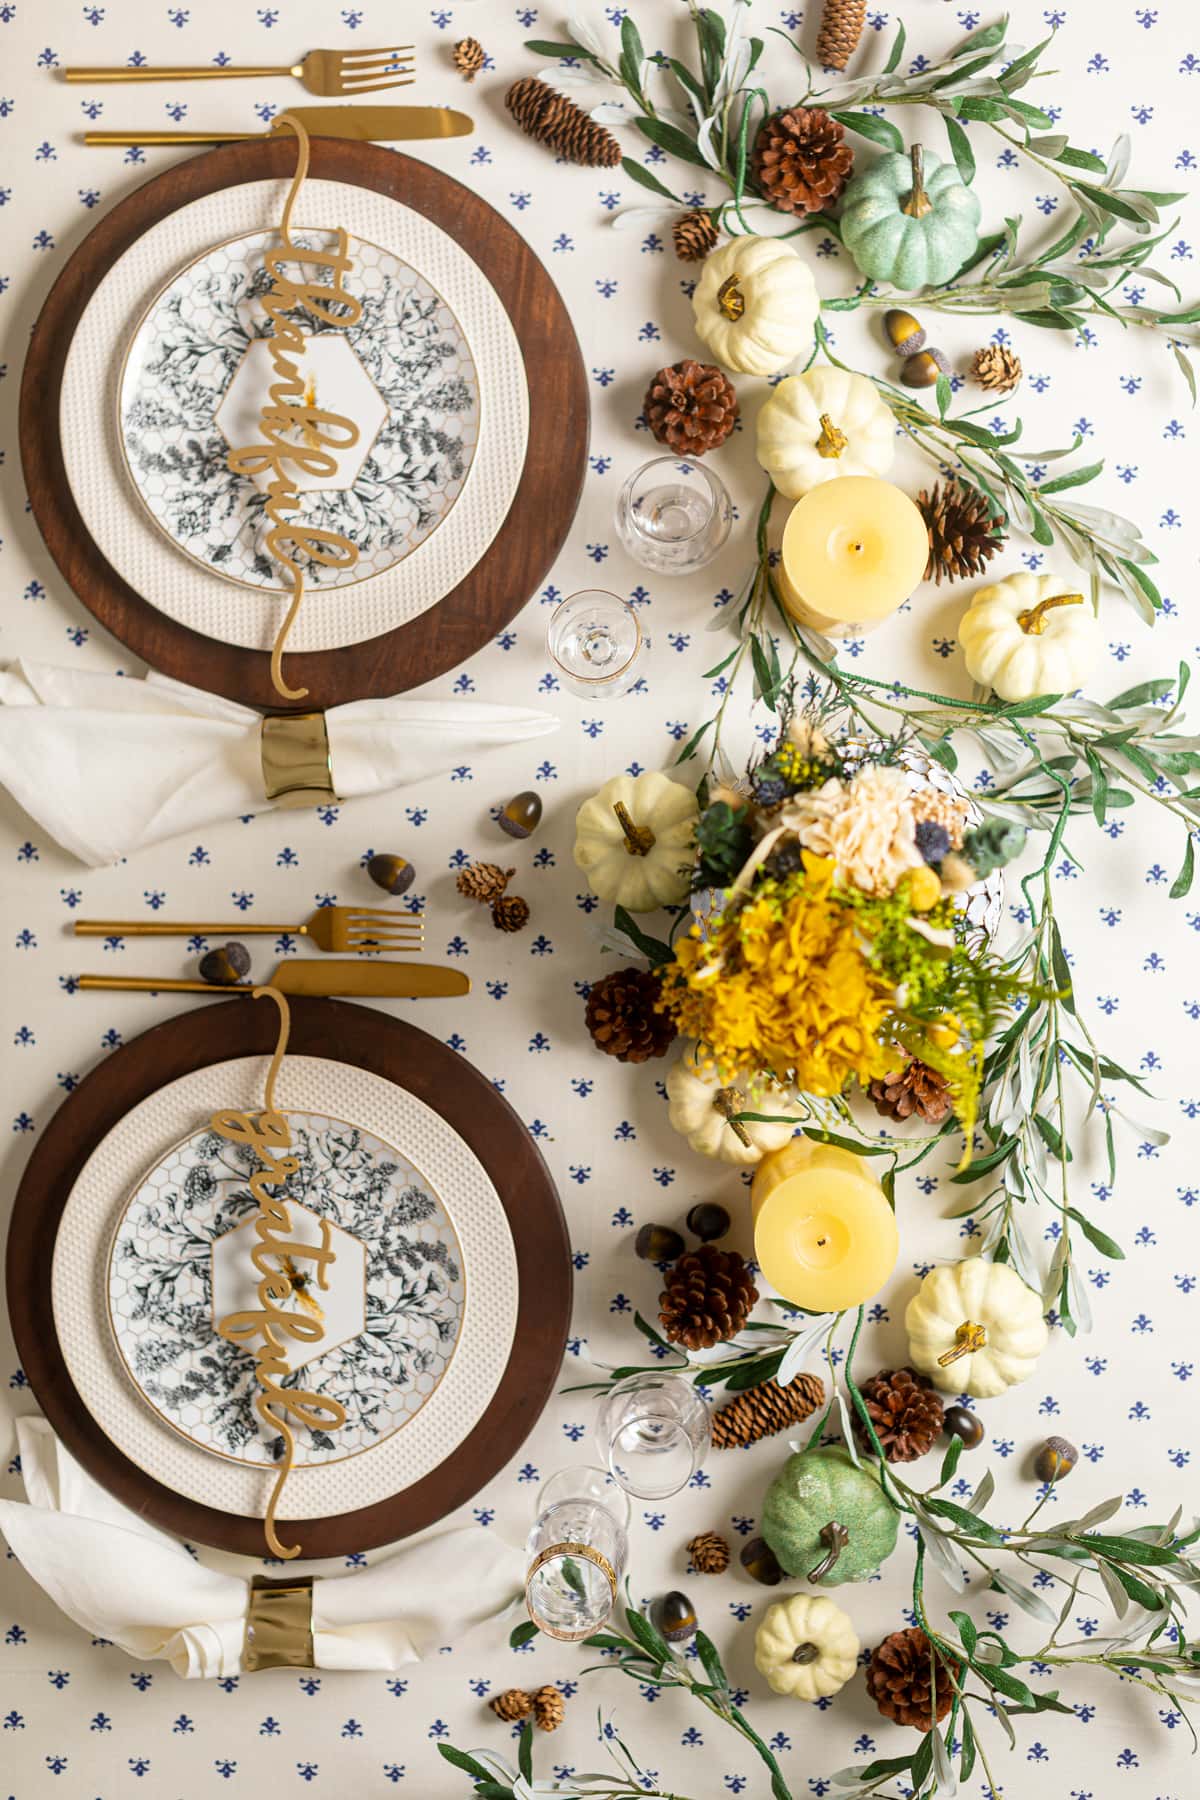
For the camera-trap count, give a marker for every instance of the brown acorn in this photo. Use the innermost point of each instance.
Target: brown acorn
(522, 816)
(673, 1617)
(906, 334)
(391, 873)
(1055, 1460)
(658, 1244)
(225, 966)
(923, 369)
(708, 1221)
(758, 1559)
(961, 1422)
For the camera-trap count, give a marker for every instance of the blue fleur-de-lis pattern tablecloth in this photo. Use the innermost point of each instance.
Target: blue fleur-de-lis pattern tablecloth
(79, 1719)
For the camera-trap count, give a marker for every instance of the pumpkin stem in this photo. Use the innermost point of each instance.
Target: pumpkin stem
(639, 839)
(805, 1653)
(918, 204)
(831, 441)
(835, 1537)
(1033, 620)
(729, 1102)
(967, 1339)
(730, 298)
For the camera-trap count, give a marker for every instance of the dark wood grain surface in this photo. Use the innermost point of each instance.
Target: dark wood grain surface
(400, 1053)
(528, 541)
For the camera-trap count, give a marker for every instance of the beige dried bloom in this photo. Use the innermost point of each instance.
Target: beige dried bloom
(806, 734)
(867, 825)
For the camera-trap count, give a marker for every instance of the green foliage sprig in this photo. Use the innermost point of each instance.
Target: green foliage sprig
(498, 1780)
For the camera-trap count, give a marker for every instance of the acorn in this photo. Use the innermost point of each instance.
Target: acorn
(758, 1559)
(906, 334)
(391, 873)
(226, 965)
(522, 816)
(923, 369)
(707, 1221)
(1056, 1458)
(674, 1617)
(961, 1422)
(658, 1243)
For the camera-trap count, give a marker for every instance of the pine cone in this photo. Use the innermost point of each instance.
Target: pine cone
(762, 1411)
(694, 234)
(551, 119)
(510, 912)
(468, 57)
(709, 1553)
(549, 1708)
(800, 161)
(997, 369)
(905, 1411)
(898, 1679)
(707, 1298)
(842, 24)
(512, 1704)
(964, 533)
(623, 1019)
(482, 881)
(915, 1088)
(691, 406)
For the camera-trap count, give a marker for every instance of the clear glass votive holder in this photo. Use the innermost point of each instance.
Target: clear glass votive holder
(673, 515)
(595, 642)
(577, 1551)
(655, 1432)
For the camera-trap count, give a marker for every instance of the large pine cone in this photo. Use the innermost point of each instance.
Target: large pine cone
(623, 1019)
(763, 1410)
(707, 1298)
(905, 1411)
(915, 1088)
(898, 1680)
(801, 162)
(964, 531)
(552, 119)
(691, 406)
(841, 27)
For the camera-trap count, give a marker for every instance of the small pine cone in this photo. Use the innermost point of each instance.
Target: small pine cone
(906, 1412)
(510, 912)
(915, 1088)
(997, 369)
(709, 1553)
(623, 1018)
(707, 1298)
(549, 1708)
(469, 57)
(762, 1411)
(691, 406)
(552, 119)
(964, 532)
(842, 24)
(694, 235)
(801, 163)
(898, 1679)
(484, 882)
(511, 1705)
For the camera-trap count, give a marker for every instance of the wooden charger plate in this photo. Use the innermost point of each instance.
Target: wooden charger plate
(518, 557)
(400, 1053)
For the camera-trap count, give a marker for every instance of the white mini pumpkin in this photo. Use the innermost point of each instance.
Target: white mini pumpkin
(1030, 635)
(806, 1647)
(975, 1328)
(700, 1103)
(755, 305)
(633, 841)
(824, 423)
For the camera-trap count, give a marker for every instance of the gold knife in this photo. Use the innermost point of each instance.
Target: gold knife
(365, 124)
(328, 977)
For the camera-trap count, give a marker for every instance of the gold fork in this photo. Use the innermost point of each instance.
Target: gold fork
(334, 928)
(322, 71)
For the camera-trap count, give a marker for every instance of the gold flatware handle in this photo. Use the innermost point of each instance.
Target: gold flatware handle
(164, 984)
(358, 123)
(148, 72)
(200, 928)
(94, 140)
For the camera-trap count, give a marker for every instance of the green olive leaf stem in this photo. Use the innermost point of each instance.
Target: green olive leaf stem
(498, 1780)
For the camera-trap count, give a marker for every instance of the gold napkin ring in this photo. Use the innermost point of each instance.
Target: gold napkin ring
(279, 1624)
(296, 766)
(588, 1553)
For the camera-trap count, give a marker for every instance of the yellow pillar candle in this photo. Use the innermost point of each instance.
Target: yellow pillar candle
(853, 551)
(824, 1235)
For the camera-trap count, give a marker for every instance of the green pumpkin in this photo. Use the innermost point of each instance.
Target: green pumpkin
(827, 1519)
(909, 220)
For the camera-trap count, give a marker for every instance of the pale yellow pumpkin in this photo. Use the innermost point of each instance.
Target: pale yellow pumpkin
(633, 841)
(1030, 635)
(755, 305)
(806, 1647)
(821, 424)
(700, 1104)
(975, 1328)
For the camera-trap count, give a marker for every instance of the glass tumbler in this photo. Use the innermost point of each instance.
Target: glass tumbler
(577, 1551)
(655, 1433)
(595, 641)
(673, 515)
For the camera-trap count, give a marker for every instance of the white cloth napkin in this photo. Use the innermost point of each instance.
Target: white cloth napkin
(122, 1579)
(109, 763)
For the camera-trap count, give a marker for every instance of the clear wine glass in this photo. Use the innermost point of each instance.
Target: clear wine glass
(673, 515)
(577, 1551)
(595, 641)
(655, 1432)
